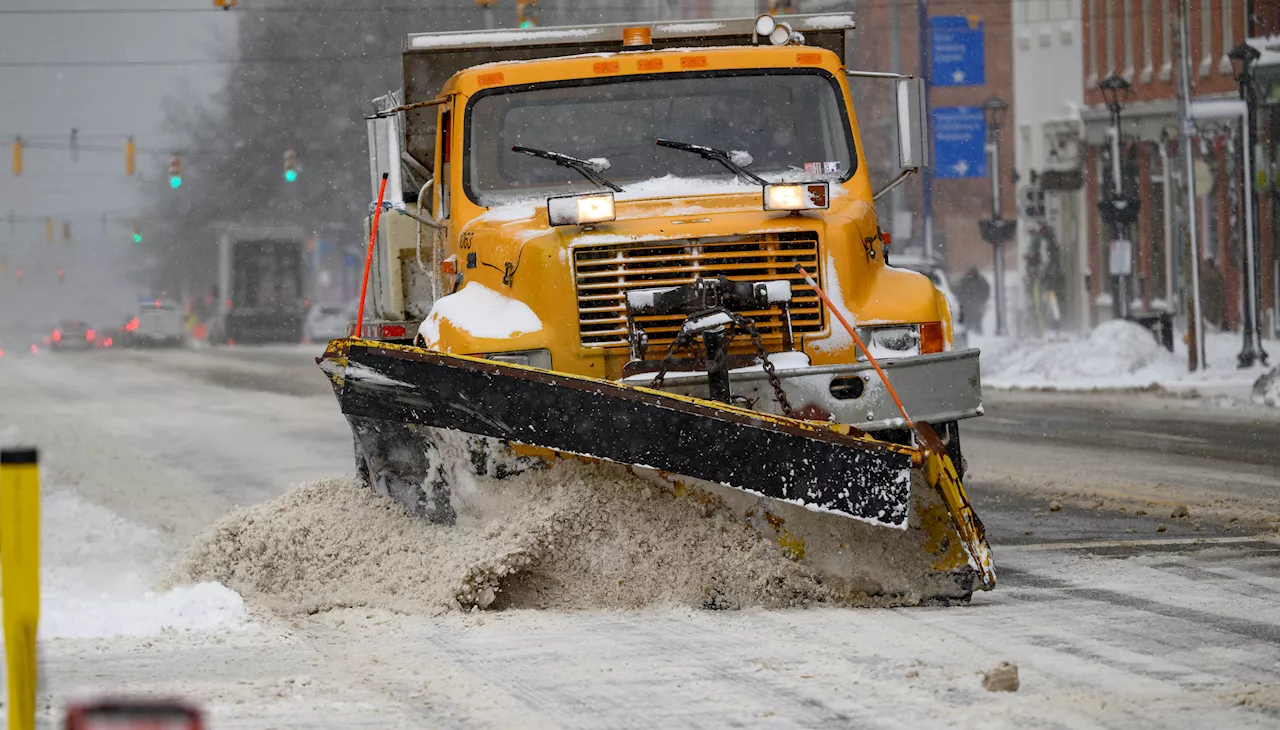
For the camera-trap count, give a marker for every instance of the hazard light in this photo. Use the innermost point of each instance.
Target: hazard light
(133, 715)
(807, 196)
(576, 210)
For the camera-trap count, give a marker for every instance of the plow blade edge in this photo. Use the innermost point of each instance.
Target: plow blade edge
(806, 463)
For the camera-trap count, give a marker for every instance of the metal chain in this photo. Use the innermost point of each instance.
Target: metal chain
(682, 340)
(765, 363)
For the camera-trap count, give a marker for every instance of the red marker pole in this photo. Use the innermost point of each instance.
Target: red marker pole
(368, 258)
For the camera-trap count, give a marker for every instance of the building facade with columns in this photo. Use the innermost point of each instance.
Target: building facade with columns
(1137, 41)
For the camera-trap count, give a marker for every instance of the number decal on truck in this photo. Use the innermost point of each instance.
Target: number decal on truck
(467, 240)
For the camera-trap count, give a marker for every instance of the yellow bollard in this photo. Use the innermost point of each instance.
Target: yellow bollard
(20, 573)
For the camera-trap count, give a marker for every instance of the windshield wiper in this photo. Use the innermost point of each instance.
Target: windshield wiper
(587, 168)
(711, 153)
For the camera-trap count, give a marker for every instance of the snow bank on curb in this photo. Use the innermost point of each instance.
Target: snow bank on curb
(1266, 391)
(1117, 354)
(573, 535)
(99, 574)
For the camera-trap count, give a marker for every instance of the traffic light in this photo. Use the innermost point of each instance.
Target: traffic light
(66, 232)
(527, 13)
(130, 156)
(48, 230)
(290, 165)
(175, 172)
(17, 156)
(62, 273)
(225, 4)
(137, 232)
(1033, 202)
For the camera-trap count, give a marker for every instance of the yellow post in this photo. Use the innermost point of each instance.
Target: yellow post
(20, 572)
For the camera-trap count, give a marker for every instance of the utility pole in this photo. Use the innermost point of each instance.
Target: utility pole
(996, 231)
(1244, 55)
(1195, 328)
(897, 195)
(926, 174)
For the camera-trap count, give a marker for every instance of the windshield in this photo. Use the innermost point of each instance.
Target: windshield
(792, 125)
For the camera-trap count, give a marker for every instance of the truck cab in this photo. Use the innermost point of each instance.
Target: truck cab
(572, 198)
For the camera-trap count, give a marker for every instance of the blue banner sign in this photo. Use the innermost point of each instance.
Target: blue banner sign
(959, 142)
(958, 51)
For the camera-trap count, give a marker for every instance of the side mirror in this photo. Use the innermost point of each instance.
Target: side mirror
(913, 127)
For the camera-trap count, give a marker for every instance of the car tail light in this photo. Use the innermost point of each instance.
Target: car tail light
(107, 342)
(88, 335)
(932, 338)
(56, 336)
(132, 326)
(1, 352)
(127, 714)
(34, 349)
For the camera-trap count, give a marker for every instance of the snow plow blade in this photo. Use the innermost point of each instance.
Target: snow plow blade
(818, 466)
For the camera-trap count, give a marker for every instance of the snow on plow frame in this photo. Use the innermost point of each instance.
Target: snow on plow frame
(824, 467)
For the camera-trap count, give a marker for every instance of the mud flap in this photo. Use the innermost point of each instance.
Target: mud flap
(810, 464)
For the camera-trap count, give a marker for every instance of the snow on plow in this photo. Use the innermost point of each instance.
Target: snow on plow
(397, 398)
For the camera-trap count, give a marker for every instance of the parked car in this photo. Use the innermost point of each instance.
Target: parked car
(327, 322)
(72, 334)
(157, 323)
(938, 275)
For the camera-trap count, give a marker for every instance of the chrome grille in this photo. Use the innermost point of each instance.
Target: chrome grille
(605, 273)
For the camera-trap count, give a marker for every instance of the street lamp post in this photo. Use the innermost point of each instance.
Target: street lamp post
(1117, 209)
(1243, 57)
(996, 230)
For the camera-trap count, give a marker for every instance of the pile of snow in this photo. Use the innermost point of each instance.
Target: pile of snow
(1117, 354)
(573, 535)
(480, 312)
(99, 574)
(1266, 391)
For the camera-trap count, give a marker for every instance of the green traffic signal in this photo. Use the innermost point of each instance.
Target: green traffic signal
(528, 24)
(137, 238)
(290, 175)
(175, 181)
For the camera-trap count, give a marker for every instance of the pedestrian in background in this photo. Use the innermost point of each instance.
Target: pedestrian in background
(972, 290)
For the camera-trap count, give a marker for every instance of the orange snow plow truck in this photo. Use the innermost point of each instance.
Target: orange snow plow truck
(656, 246)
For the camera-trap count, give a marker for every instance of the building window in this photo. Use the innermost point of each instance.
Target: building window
(1224, 63)
(1147, 66)
(1091, 40)
(1206, 36)
(1128, 39)
(1110, 10)
(1166, 45)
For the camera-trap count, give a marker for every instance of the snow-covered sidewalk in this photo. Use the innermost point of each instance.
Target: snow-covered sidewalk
(1118, 355)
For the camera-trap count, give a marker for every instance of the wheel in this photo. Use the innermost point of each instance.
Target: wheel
(950, 434)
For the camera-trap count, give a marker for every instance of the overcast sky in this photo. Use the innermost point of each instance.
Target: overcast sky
(53, 78)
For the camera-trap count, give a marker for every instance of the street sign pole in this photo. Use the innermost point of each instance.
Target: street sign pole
(926, 174)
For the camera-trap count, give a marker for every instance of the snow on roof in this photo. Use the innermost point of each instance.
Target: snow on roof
(481, 38)
(824, 22)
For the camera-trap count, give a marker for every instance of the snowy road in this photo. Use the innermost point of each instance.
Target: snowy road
(1112, 623)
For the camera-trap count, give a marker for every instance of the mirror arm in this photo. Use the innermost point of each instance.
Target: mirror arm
(901, 178)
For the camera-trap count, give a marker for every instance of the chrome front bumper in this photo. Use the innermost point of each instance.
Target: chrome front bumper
(946, 386)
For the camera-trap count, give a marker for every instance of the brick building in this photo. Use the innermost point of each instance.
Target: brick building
(1137, 40)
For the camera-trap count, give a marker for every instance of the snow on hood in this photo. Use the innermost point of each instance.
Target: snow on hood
(480, 312)
(840, 338)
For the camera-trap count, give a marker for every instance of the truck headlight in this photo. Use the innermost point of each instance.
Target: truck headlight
(576, 210)
(891, 341)
(532, 358)
(803, 196)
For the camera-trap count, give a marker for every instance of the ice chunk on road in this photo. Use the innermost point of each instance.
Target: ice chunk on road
(480, 312)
